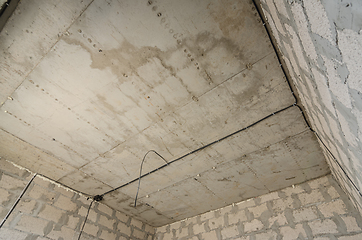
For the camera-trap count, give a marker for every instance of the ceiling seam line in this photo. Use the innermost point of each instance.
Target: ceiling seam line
(304, 131)
(41, 59)
(258, 7)
(199, 149)
(180, 107)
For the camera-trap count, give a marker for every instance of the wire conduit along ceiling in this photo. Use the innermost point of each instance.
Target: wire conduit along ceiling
(198, 82)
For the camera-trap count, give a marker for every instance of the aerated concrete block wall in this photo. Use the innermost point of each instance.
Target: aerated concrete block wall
(321, 44)
(318, 209)
(50, 211)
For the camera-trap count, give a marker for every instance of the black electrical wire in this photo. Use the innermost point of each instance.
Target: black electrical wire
(17, 200)
(139, 179)
(296, 99)
(100, 197)
(339, 165)
(196, 150)
(85, 220)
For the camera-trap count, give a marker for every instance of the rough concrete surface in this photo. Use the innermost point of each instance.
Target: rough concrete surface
(321, 43)
(317, 209)
(88, 87)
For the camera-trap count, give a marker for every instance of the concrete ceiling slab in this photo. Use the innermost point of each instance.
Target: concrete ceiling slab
(114, 79)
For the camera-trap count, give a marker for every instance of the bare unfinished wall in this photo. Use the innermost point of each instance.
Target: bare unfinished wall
(321, 44)
(318, 209)
(50, 211)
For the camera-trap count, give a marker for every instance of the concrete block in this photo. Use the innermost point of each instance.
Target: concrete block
(319, 182)
(26, 206)
(64, 233)
(138, 234)
(3, 195)
(293, 233)
(279, 205)
(108, 235)
(304, 214)
(198, 228)
(349, 42)
(136, 223)
(209, 236)
(266, 235)
(206, 216)
(84, 200)
(9, 182)
(280, 219)
(91, 229)
(92, 216)
(297, 47)
(258, 210)
(337, 206)
(323, 226)
(66, 192)
(167, 235)
(50, 213)
(65, 203)
(275, 16)
(303, 31)
(31, 224)
(216, 222)
(108, 223)
(6, 234)
(122, 217)
(183, 232)
(162, 229)
(149, 229)
(82, 211)
(318, 19)
(281, 8)
(294, 189)
(226, 209)
(105, 209)
(351, 224)
(252, 226)
(40, 193)
(73, 222)
(272, 26)
(229, 232)
(123, 228)
(333, 192)
(309, 198)
(234, 218)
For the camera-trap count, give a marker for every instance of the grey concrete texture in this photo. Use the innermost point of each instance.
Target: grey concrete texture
(88, 87)
(317, 209)
(50, 211)
(321, 44)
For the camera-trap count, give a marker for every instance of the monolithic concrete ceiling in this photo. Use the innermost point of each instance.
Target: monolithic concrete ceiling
(89, 87)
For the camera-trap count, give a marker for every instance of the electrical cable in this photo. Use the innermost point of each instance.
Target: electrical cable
(197, 150)
(339, 165)
(139, 179)
(296, 99)
(85, 220)
(100, 197)
(17, 200)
